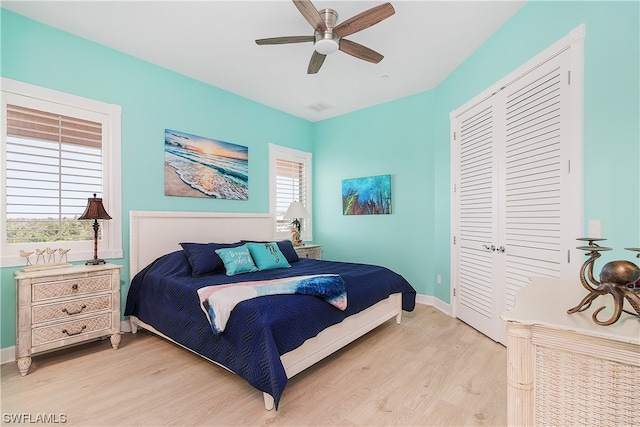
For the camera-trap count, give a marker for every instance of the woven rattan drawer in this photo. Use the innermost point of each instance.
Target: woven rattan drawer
(71, 329)
(309, 251)
(69, 309)
(560, 374)
(63, 288)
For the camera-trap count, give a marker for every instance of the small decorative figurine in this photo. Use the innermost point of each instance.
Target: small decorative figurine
(63, 254)
(49, 262)
(50, 252)
(619, 278)
(26, 255)
(39, 253)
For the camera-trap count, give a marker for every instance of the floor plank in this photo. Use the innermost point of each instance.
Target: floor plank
(432, 370)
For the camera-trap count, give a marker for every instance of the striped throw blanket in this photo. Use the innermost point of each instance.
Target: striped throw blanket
(219, 300)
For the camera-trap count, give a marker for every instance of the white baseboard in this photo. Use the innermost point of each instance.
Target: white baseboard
(435, 302)
(125, 326)
(8, 354)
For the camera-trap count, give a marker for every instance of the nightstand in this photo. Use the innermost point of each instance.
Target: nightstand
(309, 251)
(58, 307)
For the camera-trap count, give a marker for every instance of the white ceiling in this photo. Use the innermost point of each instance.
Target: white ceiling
(213, 41)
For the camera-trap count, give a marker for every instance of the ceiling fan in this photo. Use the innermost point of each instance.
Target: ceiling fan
(328, 37)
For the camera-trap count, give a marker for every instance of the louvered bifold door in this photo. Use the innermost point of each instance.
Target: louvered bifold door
(477, 202)
(536, 165)
(516, 199)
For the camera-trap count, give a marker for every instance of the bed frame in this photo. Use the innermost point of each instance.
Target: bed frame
(153, 234)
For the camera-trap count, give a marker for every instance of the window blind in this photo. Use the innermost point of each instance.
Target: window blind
(291, 184)
(53, 163)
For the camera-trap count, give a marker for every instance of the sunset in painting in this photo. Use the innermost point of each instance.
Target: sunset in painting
(196, 166)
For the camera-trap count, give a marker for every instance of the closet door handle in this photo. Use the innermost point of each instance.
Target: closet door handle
(489, 248)
(500, 249)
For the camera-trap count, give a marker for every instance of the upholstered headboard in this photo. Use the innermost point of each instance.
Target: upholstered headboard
(155, 233)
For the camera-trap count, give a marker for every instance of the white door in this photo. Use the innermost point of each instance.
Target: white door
(478, 218)
(517, 191)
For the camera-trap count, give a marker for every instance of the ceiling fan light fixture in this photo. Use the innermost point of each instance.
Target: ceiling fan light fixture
(326, 47)
(326, 43)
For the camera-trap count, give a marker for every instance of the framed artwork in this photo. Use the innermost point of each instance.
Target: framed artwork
(366, 196)
(195, 166)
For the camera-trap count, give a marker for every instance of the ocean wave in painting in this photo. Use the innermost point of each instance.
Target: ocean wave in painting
(216, 169)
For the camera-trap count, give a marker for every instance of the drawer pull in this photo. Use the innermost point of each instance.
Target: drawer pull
(71, 313)
(74, 288)
(64, 331)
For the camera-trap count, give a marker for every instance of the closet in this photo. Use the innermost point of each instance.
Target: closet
(517, 185)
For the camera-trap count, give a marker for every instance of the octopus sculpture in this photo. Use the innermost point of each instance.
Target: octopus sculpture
(621, 279)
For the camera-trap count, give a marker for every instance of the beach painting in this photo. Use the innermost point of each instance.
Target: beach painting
(366, 196)
(196, 166)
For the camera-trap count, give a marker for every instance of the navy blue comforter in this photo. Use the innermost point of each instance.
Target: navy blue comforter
(164, 295)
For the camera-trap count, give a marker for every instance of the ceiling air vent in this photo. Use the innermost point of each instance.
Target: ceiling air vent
(319, 107)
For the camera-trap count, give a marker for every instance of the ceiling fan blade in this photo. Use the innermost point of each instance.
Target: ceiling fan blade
(364, 20)
(285, 40)
(359, 51)
(311, 14)
(316, 62)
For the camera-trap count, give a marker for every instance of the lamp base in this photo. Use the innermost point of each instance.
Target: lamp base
(95, 261)
(295, 238)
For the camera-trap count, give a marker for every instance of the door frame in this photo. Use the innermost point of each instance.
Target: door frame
(574, 42)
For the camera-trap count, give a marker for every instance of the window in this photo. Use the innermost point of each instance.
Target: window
(290, 178)
(57, 151)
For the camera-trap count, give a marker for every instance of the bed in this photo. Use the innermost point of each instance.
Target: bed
(266, 340)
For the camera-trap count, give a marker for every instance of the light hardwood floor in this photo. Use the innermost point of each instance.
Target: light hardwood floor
(432, 370)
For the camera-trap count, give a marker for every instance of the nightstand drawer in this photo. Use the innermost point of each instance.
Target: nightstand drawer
(309, 251)
(70, 308)
(64, 288)
(71, 329)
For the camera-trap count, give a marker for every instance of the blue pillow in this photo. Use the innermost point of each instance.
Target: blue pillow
(286, 247)
(237, 260)
(203, 258)
(267, 256)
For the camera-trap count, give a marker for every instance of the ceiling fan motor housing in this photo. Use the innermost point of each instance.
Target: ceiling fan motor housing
(326, 41)
(330, 17)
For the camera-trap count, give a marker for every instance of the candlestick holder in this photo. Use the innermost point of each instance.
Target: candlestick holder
(621, 279)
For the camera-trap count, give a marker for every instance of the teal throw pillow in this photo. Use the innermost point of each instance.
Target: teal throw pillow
(268, 256)
(237, 260)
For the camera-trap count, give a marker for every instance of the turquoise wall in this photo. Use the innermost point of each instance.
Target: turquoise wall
(407, 138)
(152, 99)
(395, 138)
(611, 149)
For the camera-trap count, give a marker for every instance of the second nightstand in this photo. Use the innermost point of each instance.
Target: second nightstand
(309, 251)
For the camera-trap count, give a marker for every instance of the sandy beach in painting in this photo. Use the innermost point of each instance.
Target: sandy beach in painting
(210, 168)
(173, 185)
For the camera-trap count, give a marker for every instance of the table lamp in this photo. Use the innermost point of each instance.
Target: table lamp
(295, 212)
(95, 211)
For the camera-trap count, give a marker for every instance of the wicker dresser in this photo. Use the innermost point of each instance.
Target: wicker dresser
(563, 369)
(63, 306)
(309, 251)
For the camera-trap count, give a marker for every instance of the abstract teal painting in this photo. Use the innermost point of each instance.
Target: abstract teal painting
(366, 196)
